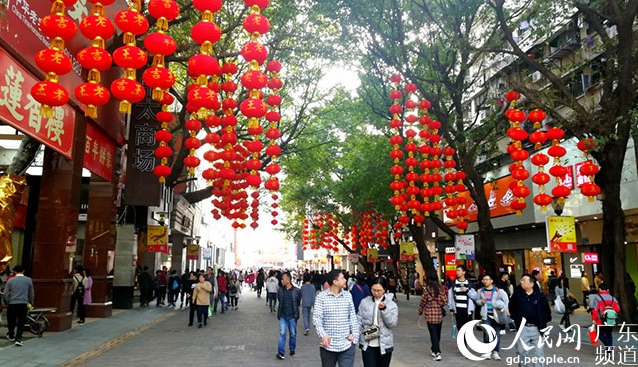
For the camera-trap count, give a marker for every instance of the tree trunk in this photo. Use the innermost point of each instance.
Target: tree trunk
(486, 249)
(25, 155)
(612, 251)
(418, 234)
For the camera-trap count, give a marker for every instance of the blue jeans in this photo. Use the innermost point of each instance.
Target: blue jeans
(306, 311)
(221, 297)
(291, 326)
(497, 328)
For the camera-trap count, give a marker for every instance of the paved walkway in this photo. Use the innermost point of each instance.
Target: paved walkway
(247, 337)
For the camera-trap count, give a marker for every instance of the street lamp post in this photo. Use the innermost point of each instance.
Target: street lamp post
(558, 210)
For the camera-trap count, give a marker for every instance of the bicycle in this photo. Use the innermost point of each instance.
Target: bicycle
(36, 322)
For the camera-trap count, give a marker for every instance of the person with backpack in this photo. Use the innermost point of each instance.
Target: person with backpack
(359, 291)
(234, 290)
(80, 283)
(605, 314)
(174, 285)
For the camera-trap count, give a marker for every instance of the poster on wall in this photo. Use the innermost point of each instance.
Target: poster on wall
(561, 234)
(207, 253)
(464, 246)
(192, 252)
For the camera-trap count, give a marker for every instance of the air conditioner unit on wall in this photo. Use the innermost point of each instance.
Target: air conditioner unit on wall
(536, 76)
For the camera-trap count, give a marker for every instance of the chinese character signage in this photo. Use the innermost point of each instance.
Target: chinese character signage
(20, 110)
(407, 251)
(499, 197)
(98, 152)
(561, 234)
(192, 252)
(450, 265)
(373, 255)
(142, 187)
(157, 239)
(464, 245)
(207, 253)
(590, 257)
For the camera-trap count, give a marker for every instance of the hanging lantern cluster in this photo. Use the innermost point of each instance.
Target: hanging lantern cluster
(540, 178)
(95, 58)
(273, 117)
(560, 191)
(204, 69)
(411, 162)
(589, 169)
(159, 44)
(397, 186)
(455, 205)
(517, 153)
(164, 137)
(129, 57)
(160, 79)
(53, 61)
(431, 163)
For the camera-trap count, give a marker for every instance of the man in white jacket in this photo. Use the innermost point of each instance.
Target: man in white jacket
(494, 312)
(272, 287)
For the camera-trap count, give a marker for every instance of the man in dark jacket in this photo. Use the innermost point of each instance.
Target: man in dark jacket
(145, 281)
(530, 312)
(289, 298)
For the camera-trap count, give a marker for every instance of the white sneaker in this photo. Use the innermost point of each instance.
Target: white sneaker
(502, 332)
(433, 354)
(495, 356)
(487, 356)
(437, 357)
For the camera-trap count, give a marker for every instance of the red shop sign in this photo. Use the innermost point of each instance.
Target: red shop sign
(20, 110)
(99, 151)
(590, 257)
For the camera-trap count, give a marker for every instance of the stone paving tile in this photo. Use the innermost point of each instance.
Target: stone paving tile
(160, 337)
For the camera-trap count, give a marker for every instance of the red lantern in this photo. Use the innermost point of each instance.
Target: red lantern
(540, 159)
(97, 26)
(257, 23)
(95, 58)
(127, 91)
(201, 64)
(160, 44)
(212, 6)
(162, 172)
(558, 171)
(157, 77)
(555, 133)
(130, 21)
(130, 57)
(168, 9)
(540, 178)
(254, 51)
(254, 79)
(53, 61)
(93, 95)
(561, 191)
(58, 26)
(49, 94)
(542, 200)
(521, 191)
(518, 205)
(538, 138)
(512, 95)
(589, 169)
(590, 190)
(206, 32)
(462, 226)
(536, 116)
(557, 151)
(253, 108)
(586, 144)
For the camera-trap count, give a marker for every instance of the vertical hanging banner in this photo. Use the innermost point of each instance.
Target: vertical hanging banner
(157, 239)
(192, 252)
(373, 255)
(464, 246)
(142, 187)
(407, 251)
(561, 234)
(99, 150)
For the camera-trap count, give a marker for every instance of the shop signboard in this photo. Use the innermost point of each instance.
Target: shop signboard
(590, 257)
(20, 110)
(561, 234)
(450, 265)
(207, 253)
(354, 258)
(99, 151)
(157, 239)
(499, 197)
(407, 251)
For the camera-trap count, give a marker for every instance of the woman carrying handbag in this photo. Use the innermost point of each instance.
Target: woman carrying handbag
(377, 315)
(433, 299)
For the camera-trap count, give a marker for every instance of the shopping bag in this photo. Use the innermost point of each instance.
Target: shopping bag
(559, 306)
(210, 310)
(593, 334)
(454, 331)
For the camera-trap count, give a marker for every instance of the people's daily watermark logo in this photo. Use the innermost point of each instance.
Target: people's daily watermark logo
(468, 343)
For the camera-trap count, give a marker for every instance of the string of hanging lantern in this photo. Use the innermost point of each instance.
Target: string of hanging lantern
(53, 61)
(95, 58)
(129, 57)
(517, 153)
(273, 133)
(589, 169)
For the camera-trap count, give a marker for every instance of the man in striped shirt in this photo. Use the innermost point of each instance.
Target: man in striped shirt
(336, 323)
(460, 297)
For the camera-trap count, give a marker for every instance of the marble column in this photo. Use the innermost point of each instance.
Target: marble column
(56, 230)
(125, 263)
(99, 245)
(177, 253)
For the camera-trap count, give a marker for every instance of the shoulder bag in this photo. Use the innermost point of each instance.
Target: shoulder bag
(373, 331)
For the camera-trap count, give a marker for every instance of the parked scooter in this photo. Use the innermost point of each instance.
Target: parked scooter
(36, 322)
